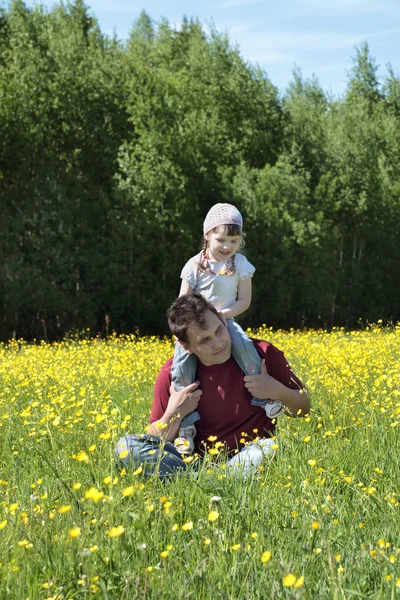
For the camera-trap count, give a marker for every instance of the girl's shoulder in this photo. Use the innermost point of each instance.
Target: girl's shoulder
(190, 270)
(244, 267)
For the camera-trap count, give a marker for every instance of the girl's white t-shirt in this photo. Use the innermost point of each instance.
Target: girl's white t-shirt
(220, 290)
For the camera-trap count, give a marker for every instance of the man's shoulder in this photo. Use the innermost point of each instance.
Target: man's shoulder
(165, 371)
(261, 345)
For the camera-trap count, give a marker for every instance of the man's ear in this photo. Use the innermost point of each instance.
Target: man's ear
(183, 345)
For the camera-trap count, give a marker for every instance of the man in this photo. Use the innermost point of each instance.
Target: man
(221, 394)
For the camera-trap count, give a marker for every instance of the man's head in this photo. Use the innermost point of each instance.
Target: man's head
(199, 329)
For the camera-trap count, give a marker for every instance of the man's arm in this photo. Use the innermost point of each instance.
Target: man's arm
(295, 401)
(179, 405)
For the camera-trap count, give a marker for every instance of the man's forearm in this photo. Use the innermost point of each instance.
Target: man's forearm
(296, 402)
(167, 427)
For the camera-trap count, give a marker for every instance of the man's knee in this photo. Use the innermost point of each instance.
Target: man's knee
(150, 452)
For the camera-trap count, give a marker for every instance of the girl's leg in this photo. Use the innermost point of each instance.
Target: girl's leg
(247, 358)
(183, 373)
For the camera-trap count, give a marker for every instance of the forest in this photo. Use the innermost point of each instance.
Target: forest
(112, 151)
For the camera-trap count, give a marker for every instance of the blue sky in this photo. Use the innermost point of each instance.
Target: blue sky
(318, 36)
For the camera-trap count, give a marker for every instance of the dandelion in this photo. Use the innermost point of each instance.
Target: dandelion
(315, 525)
(94, 494)
(299, 582)
(82, 457)
(128, 491)
(213, 515)
(307, 439)
(116, 531)
(289, 580)
(75, 532)
(266, 556)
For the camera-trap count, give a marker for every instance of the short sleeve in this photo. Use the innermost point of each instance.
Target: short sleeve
(189, 272)
(244, 268)
(161, 392)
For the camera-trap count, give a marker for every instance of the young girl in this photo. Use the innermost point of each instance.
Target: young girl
(223, 277)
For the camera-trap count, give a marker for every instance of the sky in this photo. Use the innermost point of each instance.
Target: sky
(317, 36)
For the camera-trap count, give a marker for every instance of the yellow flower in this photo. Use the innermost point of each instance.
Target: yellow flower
(149, 569)
(315, 525)
(150, 507)
(116, 531)
(3, 524)
(138, 471)
(289, 580)
(64, 509)
(124, 454)
(312, 463)
(307, 439)
(207, 542)
(107, 480)
(94, 494)
(372, 490)
(213, 515)
(175, 527)
(187, 526)
(82, 456)
(93, 548)
(164, 554)
(236, 547)
(212, 438)
(254, 535)
(299, 582)
(76, 486)
(337, 557)
(265, 556)
(75, 532)
(128, 491)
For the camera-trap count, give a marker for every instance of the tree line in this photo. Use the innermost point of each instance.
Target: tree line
(112, 152)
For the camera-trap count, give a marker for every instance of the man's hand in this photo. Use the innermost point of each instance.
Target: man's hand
(263, 386)
(185, 401)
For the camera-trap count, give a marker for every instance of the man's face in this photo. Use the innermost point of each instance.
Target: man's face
(212, 345)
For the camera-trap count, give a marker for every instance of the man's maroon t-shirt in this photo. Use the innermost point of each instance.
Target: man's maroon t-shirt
(224, 407)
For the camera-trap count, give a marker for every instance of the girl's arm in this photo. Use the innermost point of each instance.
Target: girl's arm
(243, 300)
(186, 289)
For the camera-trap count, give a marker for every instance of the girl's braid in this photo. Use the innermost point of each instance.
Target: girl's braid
(203, 259)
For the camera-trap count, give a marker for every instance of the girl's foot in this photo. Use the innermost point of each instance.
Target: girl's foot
(273, 409)
(185, 442)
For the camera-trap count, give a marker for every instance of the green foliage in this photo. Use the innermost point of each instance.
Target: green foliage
(111, 154)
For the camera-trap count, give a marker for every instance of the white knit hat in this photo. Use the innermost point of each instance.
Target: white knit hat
(222, 214)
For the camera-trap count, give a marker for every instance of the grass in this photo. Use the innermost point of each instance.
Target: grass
(321, 520)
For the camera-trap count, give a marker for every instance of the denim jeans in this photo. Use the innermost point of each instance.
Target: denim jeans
(158, 457)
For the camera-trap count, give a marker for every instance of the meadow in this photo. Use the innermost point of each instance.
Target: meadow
(320, 520)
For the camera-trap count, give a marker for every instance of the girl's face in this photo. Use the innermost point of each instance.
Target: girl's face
(222, 246)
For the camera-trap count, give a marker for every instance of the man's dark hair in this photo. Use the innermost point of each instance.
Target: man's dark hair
(188, 310)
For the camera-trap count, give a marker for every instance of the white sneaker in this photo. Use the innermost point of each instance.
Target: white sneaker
(185, 442)
(274, 409)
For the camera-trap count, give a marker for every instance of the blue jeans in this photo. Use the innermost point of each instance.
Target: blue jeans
(184, 365)
(158, 457)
